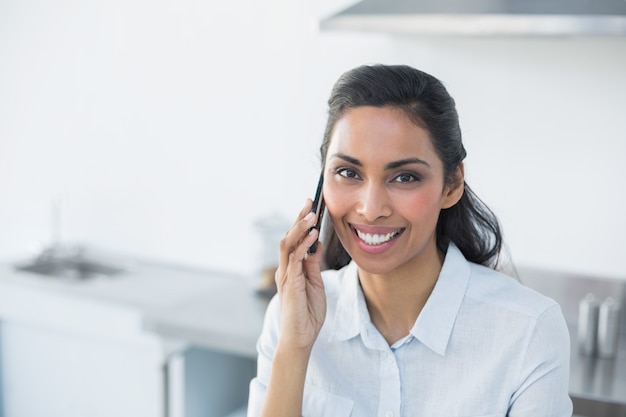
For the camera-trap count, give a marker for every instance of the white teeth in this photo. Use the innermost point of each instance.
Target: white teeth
(376, 239)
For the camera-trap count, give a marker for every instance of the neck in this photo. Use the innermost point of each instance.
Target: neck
(396, 299)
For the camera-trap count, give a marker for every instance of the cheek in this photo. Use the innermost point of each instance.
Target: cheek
(335, 201)
(419, 205)
(339, 201)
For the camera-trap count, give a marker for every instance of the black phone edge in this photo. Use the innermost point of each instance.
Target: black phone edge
(318, 209)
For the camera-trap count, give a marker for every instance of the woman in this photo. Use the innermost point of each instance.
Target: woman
(411, 317)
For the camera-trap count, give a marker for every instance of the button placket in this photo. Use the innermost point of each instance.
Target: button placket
(390, 388)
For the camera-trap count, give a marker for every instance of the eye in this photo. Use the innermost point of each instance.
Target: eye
(347, 173)
(406, 178)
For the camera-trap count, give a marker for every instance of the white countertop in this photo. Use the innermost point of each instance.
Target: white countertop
(229, 318)
(213, 309)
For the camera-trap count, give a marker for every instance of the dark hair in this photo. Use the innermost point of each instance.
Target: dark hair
(470, 224)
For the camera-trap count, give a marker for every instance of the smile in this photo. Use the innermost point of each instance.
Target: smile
(374, 239)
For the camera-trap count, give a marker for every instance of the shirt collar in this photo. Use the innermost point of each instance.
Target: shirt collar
(350, 302)
(436, 320)
(434, 325)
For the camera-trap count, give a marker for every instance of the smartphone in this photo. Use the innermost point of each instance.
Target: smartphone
(318, 208)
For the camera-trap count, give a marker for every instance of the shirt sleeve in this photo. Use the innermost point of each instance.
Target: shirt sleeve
(266, 346)
(544, 370)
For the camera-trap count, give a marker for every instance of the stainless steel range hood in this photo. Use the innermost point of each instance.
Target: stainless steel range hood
(484, 17)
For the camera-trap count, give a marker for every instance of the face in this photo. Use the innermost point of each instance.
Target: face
(384, 188)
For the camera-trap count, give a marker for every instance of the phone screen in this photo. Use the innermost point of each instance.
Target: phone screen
(318, 207)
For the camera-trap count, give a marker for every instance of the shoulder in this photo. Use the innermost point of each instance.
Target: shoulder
(503, 292)
(485, 291)
(528, 325)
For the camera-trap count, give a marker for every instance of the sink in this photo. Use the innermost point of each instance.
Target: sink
(70, 265)
(65, 268)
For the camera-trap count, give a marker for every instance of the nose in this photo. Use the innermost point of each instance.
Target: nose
(374, 202)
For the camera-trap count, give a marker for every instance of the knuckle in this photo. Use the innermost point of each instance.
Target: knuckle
(284, 243)
(279, 278)
(293, 256)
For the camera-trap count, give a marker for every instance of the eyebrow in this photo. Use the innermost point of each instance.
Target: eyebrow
(407, 161)
(390, 165)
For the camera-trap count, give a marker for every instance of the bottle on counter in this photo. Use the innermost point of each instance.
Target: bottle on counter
(588, 312)
(608, 328)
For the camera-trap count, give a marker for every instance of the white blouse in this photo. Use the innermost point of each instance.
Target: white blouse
(483, 345)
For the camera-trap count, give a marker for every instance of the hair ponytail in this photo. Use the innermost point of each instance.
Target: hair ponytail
(473, 228)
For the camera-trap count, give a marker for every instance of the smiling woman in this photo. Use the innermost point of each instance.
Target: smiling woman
(384, 178)
(429, 111)
(410, 316)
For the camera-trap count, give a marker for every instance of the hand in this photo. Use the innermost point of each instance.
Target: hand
(299, 284)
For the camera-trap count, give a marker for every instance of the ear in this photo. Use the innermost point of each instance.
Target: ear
(453, 191)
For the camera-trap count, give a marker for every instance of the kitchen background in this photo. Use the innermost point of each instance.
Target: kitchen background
(166, 129)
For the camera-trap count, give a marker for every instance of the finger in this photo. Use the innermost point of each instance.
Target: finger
(298, 231)
(295, 264)
(291, 272)
(312, 263)
(306, 209)
(299, 238)
(295, 235)
(308, 206)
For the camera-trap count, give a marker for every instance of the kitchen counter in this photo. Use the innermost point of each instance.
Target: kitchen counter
(598, 379)
(213, 309)
(227, 318)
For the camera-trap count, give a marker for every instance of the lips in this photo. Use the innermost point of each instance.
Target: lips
(376, 235)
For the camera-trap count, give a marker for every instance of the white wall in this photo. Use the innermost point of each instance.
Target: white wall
(166, 128)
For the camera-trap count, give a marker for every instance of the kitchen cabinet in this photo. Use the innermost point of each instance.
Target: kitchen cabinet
(60, 374)
(62, 356)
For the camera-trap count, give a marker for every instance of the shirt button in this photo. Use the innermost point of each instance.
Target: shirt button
(389, 414)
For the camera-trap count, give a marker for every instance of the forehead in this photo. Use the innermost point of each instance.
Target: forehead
(385, 133)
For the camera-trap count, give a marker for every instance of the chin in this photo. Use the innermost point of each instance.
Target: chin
(371, 265)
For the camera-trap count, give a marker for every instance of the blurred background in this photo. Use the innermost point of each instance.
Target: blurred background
(166, 129)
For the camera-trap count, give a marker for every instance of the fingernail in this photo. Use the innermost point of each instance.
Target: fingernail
(309, 216)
